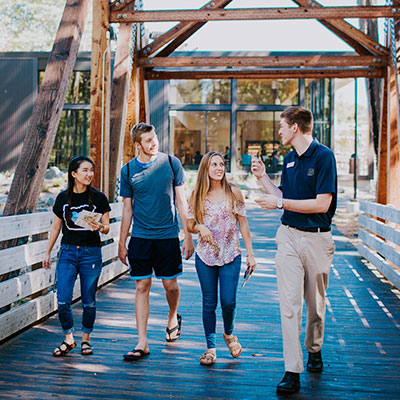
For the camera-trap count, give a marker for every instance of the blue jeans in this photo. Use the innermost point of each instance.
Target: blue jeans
(228, 277)
(85, 261)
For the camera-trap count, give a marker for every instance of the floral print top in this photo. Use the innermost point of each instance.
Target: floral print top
(224, 228)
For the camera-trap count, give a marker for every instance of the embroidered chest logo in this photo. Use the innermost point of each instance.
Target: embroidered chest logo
(310, 172)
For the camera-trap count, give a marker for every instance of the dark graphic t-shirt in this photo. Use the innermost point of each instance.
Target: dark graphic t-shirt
(74, 234)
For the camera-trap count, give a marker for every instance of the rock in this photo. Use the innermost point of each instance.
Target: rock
(53, 172)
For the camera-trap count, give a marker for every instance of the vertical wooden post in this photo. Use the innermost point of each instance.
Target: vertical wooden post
(133, 102)
(119, 102)
(382, 180)
(143, 88)
(100, 94)
(27, 183)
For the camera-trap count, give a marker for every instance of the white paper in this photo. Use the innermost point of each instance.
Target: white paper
(85, 216)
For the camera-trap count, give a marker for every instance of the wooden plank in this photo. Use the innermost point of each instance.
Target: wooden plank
(17, 226)
(264, 61)
(15, 258)
(347, 32)
(386, 212)
(383, 267)
(113, 233)
(266, 74)
(178, 34)
(100, 95)
(119, 102)
(251, 14)
(382, 175)
(380, 246)
(25, 285)
(29, 174)
(28, 313)
(380, 229)
(116, 210)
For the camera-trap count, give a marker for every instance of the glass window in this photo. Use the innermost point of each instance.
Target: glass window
(188, 136)
(257, 133)
(203, 91)
(268, 91)
(194, 133)
(72, 137)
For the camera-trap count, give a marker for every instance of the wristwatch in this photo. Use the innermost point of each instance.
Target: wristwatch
(279, 203)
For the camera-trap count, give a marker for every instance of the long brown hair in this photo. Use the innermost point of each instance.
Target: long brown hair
(198, 197)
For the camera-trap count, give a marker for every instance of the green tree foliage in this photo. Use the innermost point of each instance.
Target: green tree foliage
(32, 25)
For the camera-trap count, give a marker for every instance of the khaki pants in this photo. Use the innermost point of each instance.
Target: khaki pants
(303, 261)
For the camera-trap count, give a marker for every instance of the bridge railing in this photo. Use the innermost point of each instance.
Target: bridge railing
(379, 238)
(26, 288)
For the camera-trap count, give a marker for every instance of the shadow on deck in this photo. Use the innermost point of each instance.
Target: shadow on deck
(361, 351)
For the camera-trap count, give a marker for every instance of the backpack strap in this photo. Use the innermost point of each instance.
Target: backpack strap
(173, 172)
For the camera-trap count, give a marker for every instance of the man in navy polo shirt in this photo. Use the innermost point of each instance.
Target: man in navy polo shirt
(307, 194)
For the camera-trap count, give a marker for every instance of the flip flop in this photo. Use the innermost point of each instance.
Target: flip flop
(176, 328)
(59, 352)
(130, 357)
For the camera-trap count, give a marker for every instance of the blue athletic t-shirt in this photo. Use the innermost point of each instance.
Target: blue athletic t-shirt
(306, 176)
(151, 186)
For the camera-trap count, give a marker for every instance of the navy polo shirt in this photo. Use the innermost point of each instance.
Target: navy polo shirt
(306, 176)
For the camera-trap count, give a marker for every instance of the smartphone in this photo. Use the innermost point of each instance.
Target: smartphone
(247, 275)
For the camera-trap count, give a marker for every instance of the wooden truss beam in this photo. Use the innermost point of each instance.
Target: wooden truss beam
(352, 36)
(268, 74)
(268, 61)
(41, 131)
(204, 15)
(180, 32)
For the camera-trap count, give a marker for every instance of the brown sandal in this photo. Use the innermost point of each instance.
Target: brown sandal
(233, 345)
(208, 358)
(63, 349)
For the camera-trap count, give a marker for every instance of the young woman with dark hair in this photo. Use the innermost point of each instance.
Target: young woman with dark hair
(80, 251)
(217, 212)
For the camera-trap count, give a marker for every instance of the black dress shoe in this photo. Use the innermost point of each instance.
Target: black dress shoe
(314, 363)
(289, 384)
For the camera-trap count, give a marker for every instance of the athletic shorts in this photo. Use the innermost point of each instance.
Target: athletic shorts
(163, 256)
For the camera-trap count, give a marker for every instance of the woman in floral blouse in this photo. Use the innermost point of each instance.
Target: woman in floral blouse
(216, 211)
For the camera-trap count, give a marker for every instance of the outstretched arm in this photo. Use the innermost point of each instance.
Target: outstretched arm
(258, 169)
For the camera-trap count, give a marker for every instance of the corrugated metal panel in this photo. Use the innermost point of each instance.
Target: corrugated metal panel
(18, 91)
(158, 107)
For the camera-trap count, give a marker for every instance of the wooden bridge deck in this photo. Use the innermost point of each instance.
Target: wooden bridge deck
(361, 350)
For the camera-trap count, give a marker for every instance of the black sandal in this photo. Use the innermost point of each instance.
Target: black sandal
(130, 357)
(87, 350)
(176, 328)
(59, 352)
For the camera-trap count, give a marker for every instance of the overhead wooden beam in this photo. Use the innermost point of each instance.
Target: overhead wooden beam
(180, 32)
(267, 74)
(38, 143)
(119, 102)
(250, 14)
(100, 80)
(346, 31)
(117, 5)
(264, 61)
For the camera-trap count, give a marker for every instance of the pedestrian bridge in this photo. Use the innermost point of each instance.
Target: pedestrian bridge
(361, 351)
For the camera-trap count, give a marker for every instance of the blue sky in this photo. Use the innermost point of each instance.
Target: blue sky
(293, 35)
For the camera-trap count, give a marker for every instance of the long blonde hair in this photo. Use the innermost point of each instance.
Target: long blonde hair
(198, 197)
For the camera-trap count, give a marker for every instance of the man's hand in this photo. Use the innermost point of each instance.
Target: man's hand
(123, 253)
(268, 202)
(257, 167)
(187, 247)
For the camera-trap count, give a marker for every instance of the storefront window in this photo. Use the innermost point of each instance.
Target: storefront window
(194, 133)
(203, 91)
(257, 133)
(268, 91)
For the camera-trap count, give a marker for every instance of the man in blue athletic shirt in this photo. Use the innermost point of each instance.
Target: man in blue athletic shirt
(307, 194)
(151, 185)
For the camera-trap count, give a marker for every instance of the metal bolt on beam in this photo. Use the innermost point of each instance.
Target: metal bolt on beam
(122, 1)
(125, 16)
(117, 4)
(119, 15)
